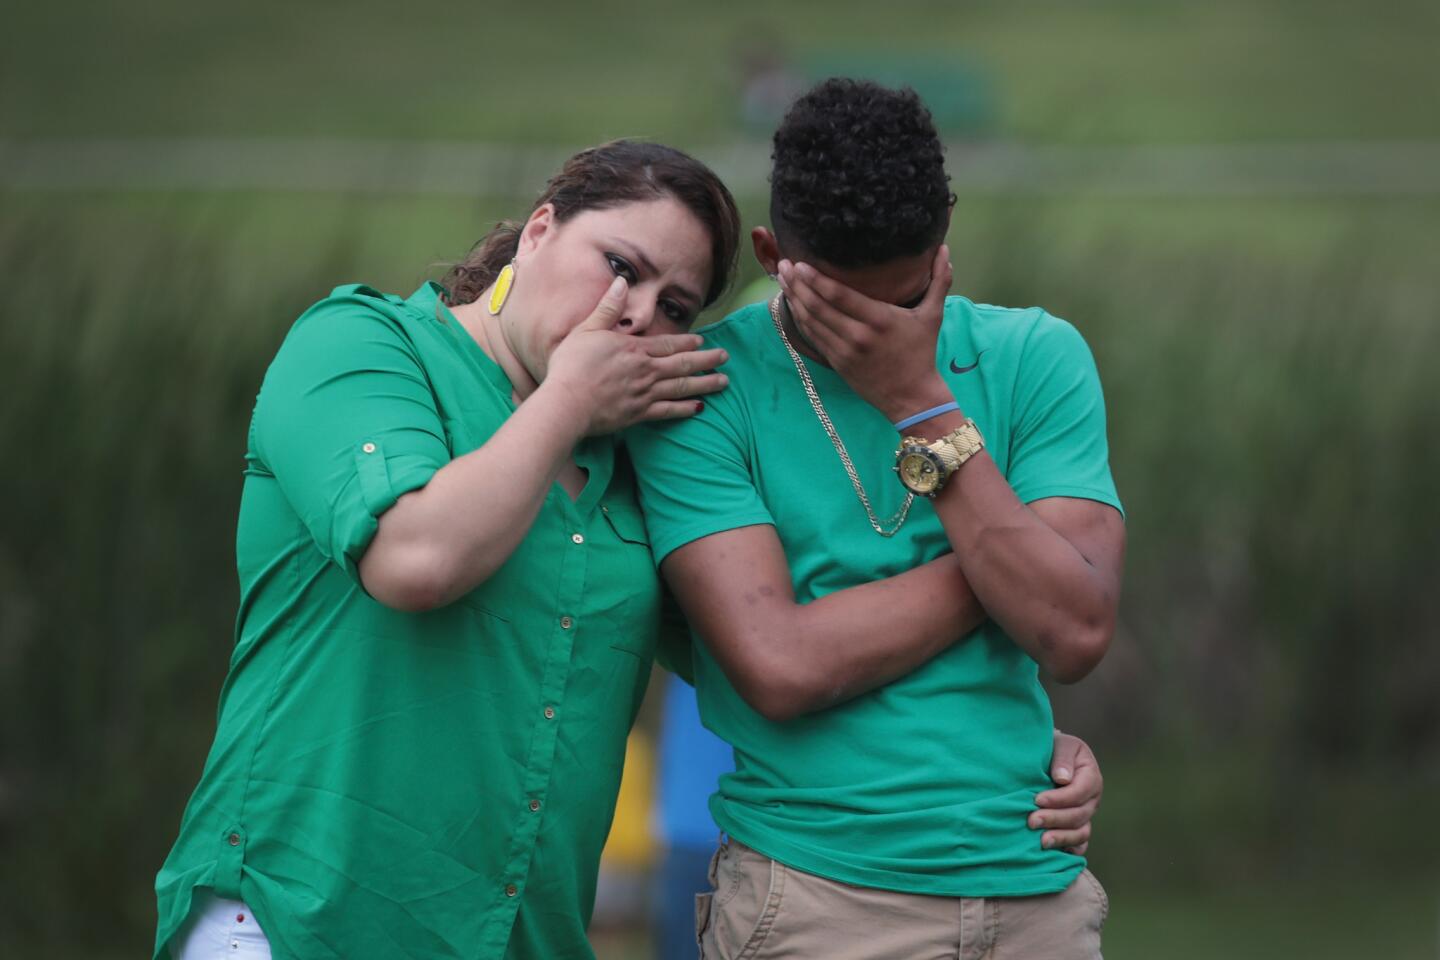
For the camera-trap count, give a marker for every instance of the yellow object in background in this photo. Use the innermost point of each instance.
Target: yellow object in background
(630, 845)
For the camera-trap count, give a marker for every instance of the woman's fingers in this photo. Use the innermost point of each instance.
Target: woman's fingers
(1065, 758)
(607, 311)
(1085, 784)
(672, 343)
(687, 362)
(1074, 840)
(672, 410)
(1067, 818)
(678, 388)
(659, 377)
(1075, 771)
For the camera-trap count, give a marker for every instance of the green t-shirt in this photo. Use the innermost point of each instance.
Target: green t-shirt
(923, 785)
(387, 784)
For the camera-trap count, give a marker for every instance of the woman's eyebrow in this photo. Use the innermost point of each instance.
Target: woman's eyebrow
(649, 266)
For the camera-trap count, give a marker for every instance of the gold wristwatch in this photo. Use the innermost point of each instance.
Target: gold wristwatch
(924, 467)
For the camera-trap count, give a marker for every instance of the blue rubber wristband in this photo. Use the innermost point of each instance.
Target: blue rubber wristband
(926, 415)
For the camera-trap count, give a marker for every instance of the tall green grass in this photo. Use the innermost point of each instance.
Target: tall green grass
(1272, 430)
(1272, 408)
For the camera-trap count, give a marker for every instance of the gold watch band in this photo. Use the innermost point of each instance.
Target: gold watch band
(959, 445)
(924, 467)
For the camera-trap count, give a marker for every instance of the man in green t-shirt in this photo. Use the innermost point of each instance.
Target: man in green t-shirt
(871, 622)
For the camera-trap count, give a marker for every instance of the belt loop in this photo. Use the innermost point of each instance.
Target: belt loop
(712, 872)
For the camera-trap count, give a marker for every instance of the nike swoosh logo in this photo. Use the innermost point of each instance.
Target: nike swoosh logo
(955, 369)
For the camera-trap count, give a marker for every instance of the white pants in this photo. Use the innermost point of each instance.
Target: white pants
(219, 928)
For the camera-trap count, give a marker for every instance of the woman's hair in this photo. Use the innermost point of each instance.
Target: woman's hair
(859, 175)
(610, 175)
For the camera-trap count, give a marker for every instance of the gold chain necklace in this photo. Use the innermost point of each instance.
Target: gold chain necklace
(895, 522)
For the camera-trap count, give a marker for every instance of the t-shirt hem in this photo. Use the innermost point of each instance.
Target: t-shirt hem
(663, 548)
(1029, 495)
(965, 882)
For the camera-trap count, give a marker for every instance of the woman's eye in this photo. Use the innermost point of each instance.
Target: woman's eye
(622, 268)
(675, 312)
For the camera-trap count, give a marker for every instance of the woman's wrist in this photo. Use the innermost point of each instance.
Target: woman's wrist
(558, 410)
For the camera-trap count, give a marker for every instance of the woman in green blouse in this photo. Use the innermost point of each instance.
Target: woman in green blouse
(448, 605)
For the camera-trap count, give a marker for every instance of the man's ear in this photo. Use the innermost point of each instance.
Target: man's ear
(537, 225)
(767, 249)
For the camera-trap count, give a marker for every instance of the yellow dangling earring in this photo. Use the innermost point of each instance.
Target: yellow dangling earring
(500, 292)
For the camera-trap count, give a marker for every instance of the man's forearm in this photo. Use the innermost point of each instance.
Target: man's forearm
(853, 641)
(1036, 584)
(786, 658)
(1047, 573)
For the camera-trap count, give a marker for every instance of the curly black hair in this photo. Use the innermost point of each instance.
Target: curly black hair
(859, 175)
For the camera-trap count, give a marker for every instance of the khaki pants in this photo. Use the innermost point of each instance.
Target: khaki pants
(763, 910)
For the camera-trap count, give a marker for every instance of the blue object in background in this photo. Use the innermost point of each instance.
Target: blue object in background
(691, 761)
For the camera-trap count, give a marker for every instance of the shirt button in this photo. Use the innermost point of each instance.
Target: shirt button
(534, 806)
(566, 623)
(549, 713)
(233, 839)
(577, 537)
(368, 448)
(511, 890)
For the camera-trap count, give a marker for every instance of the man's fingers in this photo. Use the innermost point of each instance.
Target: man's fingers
(607, 312)
(845, 300)
(800, 289)
(822, 337)
(942, 275)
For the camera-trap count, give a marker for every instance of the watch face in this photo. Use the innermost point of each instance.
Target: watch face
(918, 472)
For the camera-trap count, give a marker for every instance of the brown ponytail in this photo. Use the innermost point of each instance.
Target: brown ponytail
(612, 174)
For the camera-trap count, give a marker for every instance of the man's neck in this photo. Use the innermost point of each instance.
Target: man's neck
(797, 339)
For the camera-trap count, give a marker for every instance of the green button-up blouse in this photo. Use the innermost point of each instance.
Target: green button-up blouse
(388, 784)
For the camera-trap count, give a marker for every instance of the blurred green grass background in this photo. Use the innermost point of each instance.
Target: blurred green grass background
(548, 70)
(1267, 718)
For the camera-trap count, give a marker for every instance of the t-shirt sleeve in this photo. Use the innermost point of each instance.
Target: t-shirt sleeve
(694, 477)
(347, 423)
(1059, 447)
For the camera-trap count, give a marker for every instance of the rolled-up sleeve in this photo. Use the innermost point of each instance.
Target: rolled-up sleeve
(347, 423)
